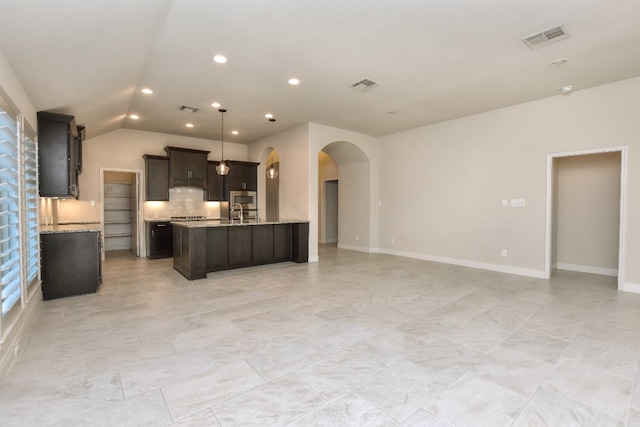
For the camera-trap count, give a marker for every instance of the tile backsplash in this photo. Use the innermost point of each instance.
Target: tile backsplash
(183, 201)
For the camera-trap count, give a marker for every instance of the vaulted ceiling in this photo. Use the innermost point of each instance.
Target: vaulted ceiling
(434, 60)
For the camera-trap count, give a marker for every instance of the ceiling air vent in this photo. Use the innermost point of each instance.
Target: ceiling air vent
(364, 84)
(543, 38)
(188, 108)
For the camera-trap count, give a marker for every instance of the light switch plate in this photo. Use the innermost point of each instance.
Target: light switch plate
(517, 202)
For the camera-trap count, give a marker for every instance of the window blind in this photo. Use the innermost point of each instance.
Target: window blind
(10, 265)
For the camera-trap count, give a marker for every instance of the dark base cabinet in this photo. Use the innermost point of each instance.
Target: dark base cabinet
(190, 252)
(198, 250)
(159, 240)
(71, 263)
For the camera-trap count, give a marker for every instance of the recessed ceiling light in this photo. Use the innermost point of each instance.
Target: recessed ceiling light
(189, 125)
(215, 104)
(220, 59)
(235, 132)
(294, 82)
(134, 116)
(269, 116)
(558, 62)
(146, 91)
(566, 89)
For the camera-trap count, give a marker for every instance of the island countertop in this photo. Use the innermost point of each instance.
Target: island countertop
(77, 227)
(234, 223)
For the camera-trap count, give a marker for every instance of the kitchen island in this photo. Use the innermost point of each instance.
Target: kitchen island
(200, 247)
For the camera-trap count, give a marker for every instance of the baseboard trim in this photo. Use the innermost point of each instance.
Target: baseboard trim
(15, 335)
(313, 258)
(354, 248)
(603, 271)
(519, 271)
(630, 287)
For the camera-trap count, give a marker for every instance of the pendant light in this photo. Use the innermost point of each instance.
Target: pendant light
(272, 172)
(222, 168)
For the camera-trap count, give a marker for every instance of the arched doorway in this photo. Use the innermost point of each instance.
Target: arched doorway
(344, 165)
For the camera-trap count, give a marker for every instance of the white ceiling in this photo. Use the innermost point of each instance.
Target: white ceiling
(436, 60)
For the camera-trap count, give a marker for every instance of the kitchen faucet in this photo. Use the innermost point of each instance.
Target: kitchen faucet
(241, 217)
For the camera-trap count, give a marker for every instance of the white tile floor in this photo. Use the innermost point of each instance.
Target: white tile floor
(353, 340)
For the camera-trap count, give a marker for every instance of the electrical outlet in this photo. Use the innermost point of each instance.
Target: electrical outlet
(357, 237)
(392, 240)
(503, 252)
(505, 202)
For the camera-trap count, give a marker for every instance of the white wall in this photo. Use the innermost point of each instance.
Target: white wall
(446, 181)
(292, 146)
(588, 213)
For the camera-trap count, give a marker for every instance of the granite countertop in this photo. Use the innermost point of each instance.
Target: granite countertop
(167, 219)
(76, 227)
(235, 223)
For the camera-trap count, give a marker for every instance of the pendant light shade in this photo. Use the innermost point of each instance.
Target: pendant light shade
(222, 168)
(272, 172)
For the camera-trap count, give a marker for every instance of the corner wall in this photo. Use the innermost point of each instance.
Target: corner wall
(446, 181)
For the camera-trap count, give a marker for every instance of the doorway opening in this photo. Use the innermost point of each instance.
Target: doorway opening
(330, 214)
(585, 212)
(120, 199)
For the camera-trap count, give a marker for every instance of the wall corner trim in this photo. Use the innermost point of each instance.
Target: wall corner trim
(630, 287)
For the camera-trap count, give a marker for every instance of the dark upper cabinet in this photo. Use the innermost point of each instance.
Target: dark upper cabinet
(187, 167)
(156, 177)
(242, 176)
(215, 184)
(59, 155)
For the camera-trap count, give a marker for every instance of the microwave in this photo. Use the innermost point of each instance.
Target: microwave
(248, 199)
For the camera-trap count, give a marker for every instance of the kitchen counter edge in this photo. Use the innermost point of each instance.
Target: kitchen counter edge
(207, 224)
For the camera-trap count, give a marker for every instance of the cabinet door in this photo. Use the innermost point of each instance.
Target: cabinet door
(251, 178)
(179, 168)
(215, 183)
(198, 172)
(282, 242)
(262, 238)
(243, 177)
(157, 178)
(187, 167)
(239, 245)
(70, 263)
(217, 248)
(177, 246)
(160, 240)
(57, 157)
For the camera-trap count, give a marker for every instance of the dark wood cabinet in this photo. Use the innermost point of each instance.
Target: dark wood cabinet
(187, 167)
(156, 177)
(215, 184)
(198, 250)
(217, 248)
(189, 252)
(59, 155)
(240, 251)
(282, 242)
(159, 240)
(242, 176)
(300, 242)
(71, 263)
(262, 242)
